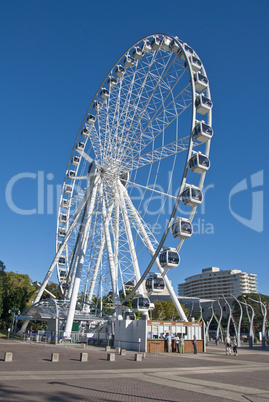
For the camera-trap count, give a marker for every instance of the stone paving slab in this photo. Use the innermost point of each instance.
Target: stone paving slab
(210, 376)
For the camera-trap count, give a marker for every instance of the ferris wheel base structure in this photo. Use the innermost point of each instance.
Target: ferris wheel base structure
(141, 152)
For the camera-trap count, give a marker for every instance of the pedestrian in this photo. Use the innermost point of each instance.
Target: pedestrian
(169, 343)
(228, 345)
(177, 344)
(235, 346)
(194, 345)
(181, 343)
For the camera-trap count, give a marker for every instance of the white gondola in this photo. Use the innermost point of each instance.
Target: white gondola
(166, 42)
(203, 104)
(128, 61)
(140, 303)
(137, 53)
(68, 189)
(155, 283)
(156, 43)
(104, 93)
(195, 63)
(192, 196)
(181, 228)
(65, 204)
(63, 218)
(147, 47)
(188, 50)
(61, 261)
(71, 174)
(80, 146)
(75, 160)
(202, 132)
(61, 232)
(201, 82)
(112, 82)
(174, 46)
(91, 119)
(129, 315)
(85, 132)
(124, 177)
(62, 274)
(119, 71)
(199, 163)
(169, 258)
(97, 106)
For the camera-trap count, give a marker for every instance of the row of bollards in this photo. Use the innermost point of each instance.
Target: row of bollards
(112, 356)
(55, 357)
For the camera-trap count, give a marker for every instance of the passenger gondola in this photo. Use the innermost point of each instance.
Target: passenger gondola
(200, 81)
(169, 258)
(181, 228)
(199, 163)
(140, 303)
(155, 283)
(191, 196)
(202, 132)
(203, 104)
(61, 261)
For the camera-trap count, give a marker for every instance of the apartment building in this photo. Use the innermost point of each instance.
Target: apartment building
(212, 283)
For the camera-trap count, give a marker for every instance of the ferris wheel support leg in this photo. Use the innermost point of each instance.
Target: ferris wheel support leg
(110, 254)
(131, 246)
(55, 260)
(96, 269)
(152, 252)
(83, 246)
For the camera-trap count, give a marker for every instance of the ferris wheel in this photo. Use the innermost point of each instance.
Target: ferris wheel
(134, 178)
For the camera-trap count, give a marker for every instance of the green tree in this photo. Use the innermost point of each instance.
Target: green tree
(18, 293)
(165, 310)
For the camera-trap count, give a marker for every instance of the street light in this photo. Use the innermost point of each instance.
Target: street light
(264, 314)
(251, 334)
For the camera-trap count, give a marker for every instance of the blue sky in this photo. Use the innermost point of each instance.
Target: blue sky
(54, 56)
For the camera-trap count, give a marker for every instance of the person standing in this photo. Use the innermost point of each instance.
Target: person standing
(169, 343)
(228, 344)
(177, 341)
(194, 345)
(181, 343)
(235, 346)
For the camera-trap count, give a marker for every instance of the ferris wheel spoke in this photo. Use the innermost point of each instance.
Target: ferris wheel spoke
(154, 125)
(131, 108)
(158, 154)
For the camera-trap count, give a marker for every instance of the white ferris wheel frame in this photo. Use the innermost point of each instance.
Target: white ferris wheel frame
(85, 201)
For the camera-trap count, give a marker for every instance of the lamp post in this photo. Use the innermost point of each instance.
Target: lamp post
(219, 322)
(251, 335)
(239, 323)
(264, 314)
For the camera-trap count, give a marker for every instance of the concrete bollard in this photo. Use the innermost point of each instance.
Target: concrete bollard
(8, 356)
(117, 349)
(123, 352)
(111, 357)
(107, 348)
(55, 357)
(138, 357)
(83, 357)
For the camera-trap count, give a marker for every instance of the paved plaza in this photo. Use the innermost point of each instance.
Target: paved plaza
(210, 376)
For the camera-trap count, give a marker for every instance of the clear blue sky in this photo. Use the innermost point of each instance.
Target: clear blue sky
(54, 56)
